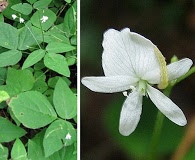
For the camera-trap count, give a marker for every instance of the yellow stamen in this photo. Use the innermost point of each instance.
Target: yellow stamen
(163, 69)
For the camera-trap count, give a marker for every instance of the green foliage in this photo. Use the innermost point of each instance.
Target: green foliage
(56, 135)
(29, 36)
(64, 100)
(33, 58)
(41, 4)
(35, 19)
(37, 105)
(56, 47)
(29, 107)
(10, 57)
(4, 96)
(57, 63)
(70, 20)
(9, 36)
(9, 131)
(23, 8)
(3, 152)
(18, 151)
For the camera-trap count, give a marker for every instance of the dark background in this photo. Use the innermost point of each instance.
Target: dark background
(170, 24)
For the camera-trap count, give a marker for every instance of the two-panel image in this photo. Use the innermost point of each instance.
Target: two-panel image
(97, 80)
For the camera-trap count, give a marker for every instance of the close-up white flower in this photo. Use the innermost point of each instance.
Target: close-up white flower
(21, 20)
(132, 62)
(68, 136)
(14, 16)
(44, 19)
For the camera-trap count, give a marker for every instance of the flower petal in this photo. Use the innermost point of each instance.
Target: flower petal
(179, 68)
(166, 106)
(130, 113)
(152, 77)
(109, 84)
(127, 53)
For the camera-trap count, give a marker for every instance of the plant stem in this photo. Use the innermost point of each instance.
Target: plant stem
(156, 135)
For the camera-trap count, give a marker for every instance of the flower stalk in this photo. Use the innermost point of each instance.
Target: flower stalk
(156, 135)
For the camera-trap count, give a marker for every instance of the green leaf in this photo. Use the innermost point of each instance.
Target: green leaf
(41, 4)
(65, 102)
(11, 91)
(74, 40)
(40, 85)
(3, 152)
(39, 75)
(36, 19)
(71, 58)
(38, 66)
(33, 58)
(56, 47)
(3, 75)
(3, 105)
(35, 147)
(55, 35)
(9, 36)
(18, 151)
(10, 57)
(23, 8)
(68, 1)
(19, 80)
(70, 137)
(29, 36)
(65, 153)
(70, 21)
(9, 131)
(69, 153)
(1, 18)
(32, 109)
(13, 116)
(55, 134)
(57, 63)
(49, 94)
(31, 1)
(4, 96)
(52, 81)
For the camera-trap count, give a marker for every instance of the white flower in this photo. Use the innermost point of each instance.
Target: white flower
(68, 136)
(132, 62)
(21, 20)
(14, 16)
(44, 19)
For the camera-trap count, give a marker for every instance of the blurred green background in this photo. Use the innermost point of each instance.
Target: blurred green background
(170, 24)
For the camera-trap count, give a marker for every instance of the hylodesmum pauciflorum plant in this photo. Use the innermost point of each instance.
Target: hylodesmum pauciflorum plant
(133, 63)
(38, 65)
